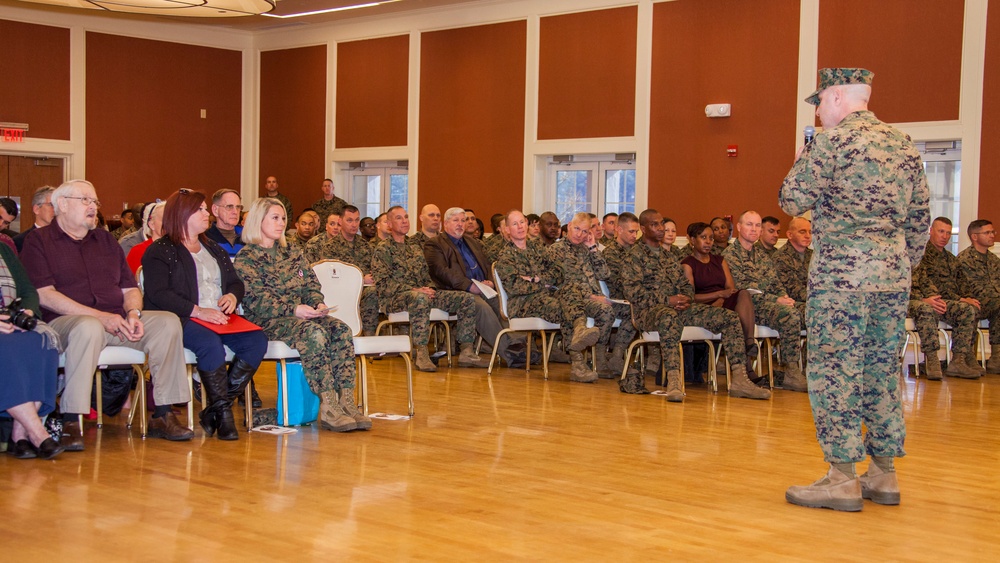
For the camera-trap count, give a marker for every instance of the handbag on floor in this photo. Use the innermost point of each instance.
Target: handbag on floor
(303, 404)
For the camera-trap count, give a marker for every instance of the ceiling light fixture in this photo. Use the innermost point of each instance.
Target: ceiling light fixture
(331, 10)
(188, 8)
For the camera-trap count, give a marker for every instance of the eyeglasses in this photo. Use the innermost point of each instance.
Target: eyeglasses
(86, 200)
(987, 233)
(231, 207)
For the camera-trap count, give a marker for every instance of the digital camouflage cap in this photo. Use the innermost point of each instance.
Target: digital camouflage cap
(839, 76)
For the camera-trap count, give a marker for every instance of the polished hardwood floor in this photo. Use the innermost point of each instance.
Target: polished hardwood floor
(511, 467)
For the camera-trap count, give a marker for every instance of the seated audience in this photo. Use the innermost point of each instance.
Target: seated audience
(550, 228)
(284, 298)
(404, 284)
(627, 231)
(226, 207)
(530, 278)
(8, 213)
(454, 260)
(792, 260)
(480, 229)
(608, 229)
(752, 269)
(191, 276)
(714, 286)
(770, 231)
(130, 241)
(382, 228)
(41, 206)
(152, 230)
(327, 204)
(318, 247)
(352, 248)
(470, 221)
(430, 226)
(31, 358)
(127, 227)
(92, 308)
(368, 229)
(722, 229)
(662, 301)
(534, 226)
(981, 282)
(670, 237)
(305, 229)
(271, 187)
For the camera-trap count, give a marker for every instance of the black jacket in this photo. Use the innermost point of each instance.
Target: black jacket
(170, 281)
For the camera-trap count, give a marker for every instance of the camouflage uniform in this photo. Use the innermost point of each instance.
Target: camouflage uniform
(581, 270)
(718, 250)
(865, 184)
(769, 252)
(359, 253)
(753, 269)
(981, 280)
(418, 240)
(285, 202)
(295, 241)
(606, 241)
(324, 208)
(492, 247)
(793, 270)
(278, 280)
(400, 268)
(650, 277)
(531, 299)
(961, 316)
(680, 253)
(614, 256)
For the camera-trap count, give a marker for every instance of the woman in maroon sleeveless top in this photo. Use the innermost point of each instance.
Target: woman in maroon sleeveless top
(713, 285)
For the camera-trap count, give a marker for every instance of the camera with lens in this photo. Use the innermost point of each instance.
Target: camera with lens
(19, 317)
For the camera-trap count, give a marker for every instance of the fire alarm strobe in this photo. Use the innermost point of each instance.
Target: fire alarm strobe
(718, 110)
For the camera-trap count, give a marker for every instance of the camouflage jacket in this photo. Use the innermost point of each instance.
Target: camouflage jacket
(752, 269)
(767, 252)
(275, 284)
(318, 247)
(650, 277)
(358, 252)
(678, 252)
(398, 267)
(532, 261)
(295, 241)
(418, 240)
(939, 273)
(287, 203)
(793, 270)
(581, 269)
(980, 274)
(606, 241)
(493, 245)
(324, 208)
(718, 250)
(614, 256)
(865, 184)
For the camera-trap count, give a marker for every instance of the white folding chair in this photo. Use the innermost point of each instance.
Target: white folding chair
(983, 333)
(119, 356)
(341, 284)
(765, 335)
(438, 317)
(522, 324)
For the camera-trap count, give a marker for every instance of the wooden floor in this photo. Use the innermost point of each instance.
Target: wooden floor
(515, 468)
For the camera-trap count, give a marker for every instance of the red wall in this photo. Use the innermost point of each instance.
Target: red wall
(586, 77)
(989, 171)
(914, 47)
(372, 86)
(34, 70)
(472, 117)
(145, 136)
(716, 51)
(293, 122)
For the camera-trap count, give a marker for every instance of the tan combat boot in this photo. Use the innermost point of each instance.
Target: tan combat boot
(583, 337)
(674, 393)
(973, 362)
(617, 362)
(958, 368)
(993, 364)
(932, 367)
(601, 365)
(835, 490)
(350, 408)
(880, 486)
(578, 370)
(467, 357)
(653, 359)
(332, 415)
(794, 379)
(741, 387)
(422, 361)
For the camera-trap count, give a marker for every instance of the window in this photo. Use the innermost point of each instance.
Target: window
(597, 184)
(943, 167)
(376, 187)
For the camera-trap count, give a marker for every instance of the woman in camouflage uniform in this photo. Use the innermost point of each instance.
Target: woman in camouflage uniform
(283, 296)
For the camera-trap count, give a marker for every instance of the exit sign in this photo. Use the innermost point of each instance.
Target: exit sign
(13, 132)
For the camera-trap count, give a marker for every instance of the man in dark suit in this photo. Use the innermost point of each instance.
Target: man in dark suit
(455, 259)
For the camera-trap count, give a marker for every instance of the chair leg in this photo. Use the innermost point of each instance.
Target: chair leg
(628, 356)
(447, 337)
(680, 348)
(141, 393)
(496, 346)
(364, 385)
(248, 401)
(770, 364)
(409, 382)
(545, 355)
(190, 374)
(284, 391)
(711, 367)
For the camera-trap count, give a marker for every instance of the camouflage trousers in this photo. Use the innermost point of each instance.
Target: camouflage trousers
(961, 317)
(786, 319)
(853, 372)
(555, 308)
(326, 346)
(603, 315)
(418, 305)
(369, 309)
(626, 330)
(670, 323)
(990, 310)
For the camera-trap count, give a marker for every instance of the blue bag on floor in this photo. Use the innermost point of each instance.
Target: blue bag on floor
(303, 404)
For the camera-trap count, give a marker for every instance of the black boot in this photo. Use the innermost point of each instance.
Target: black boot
(240, 374)
(216, 388)
(257, 403)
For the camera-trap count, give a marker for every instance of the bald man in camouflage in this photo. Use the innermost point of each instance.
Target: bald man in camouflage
(864, 183)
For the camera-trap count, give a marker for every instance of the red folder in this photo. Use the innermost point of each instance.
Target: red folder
(236, 324)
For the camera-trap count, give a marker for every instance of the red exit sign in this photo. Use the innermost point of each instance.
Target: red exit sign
(13, 132)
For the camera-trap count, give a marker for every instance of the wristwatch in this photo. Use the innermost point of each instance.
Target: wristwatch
(138, 313)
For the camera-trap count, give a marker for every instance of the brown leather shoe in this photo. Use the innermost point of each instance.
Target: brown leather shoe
(168, 428)
(72, 437)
